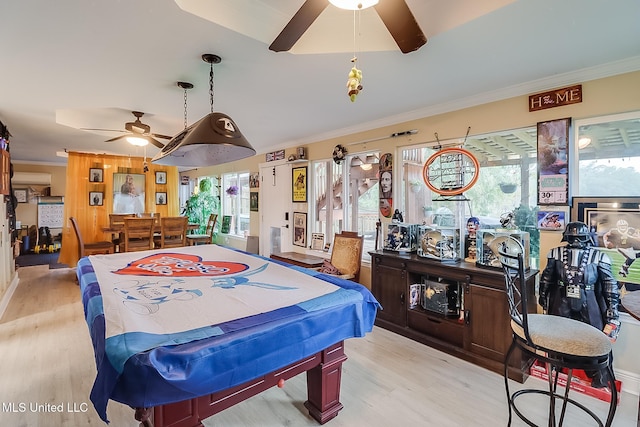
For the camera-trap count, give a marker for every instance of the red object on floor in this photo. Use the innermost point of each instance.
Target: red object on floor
(580, 382)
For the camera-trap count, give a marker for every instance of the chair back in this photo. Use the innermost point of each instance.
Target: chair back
(117, 220)
(155, 216)
(76, 228)
(211, 225)
(138, 234)
(173, 231)
(346, 253)
(511, 255)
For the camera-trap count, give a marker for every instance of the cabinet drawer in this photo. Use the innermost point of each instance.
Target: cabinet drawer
(446, 329)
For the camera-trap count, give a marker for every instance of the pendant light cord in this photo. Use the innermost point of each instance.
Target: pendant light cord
(185, 107)
(211, 86)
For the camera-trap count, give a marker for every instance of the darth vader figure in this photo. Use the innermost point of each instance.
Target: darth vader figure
(577, 282)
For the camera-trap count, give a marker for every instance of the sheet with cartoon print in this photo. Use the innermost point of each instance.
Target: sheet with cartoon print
(170, 325)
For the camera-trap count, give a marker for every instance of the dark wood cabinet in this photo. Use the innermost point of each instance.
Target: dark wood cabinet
(480, 333)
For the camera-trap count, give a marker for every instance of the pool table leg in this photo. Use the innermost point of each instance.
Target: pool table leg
(323, 385)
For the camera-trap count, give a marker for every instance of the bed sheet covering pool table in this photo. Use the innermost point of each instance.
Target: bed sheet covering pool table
(142, 367)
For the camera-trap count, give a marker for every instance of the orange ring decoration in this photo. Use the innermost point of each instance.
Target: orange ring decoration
(449, 151)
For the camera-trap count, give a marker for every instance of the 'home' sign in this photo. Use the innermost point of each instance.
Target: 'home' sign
(555, 98)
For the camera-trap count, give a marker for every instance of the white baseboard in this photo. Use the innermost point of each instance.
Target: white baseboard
(4, 303)
(630, 381)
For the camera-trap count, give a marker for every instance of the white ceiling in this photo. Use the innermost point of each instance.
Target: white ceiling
(74, 64)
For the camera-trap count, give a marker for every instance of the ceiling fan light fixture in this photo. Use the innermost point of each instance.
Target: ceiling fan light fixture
(215, 139)
(353, 4)
(137, 140)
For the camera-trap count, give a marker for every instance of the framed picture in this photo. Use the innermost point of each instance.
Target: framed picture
(226, 224)
(22, 194)
(96, 175)
(614, 223)
(299, 179)
(254, 180)
(161, 198)
(553, 162)
(253, 202)
(161, 177)
(551, 220)
(300, 229)
(317, 241)
(96, 198)
(128, 193)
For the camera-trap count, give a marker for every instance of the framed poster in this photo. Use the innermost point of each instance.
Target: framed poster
(96, 198)
(254, 180)
(317, 241)
(226, 224)
(21, 194)
(128, 193)
(161, 177)
(614, 224)
(300, 229)
(96, 175)
(553, 162)
(299, 179)
(253, 202)
(161, 198)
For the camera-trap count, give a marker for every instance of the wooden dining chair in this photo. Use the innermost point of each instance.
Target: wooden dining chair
(173, 231)
(207, 237)
(138, 234)
(90, 248)
(116, 222)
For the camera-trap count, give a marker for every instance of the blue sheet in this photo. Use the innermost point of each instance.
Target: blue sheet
(207, 360)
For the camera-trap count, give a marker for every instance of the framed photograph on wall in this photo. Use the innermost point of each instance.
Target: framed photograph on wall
(128, 193)
(300, 229)
(299, 179)
(614, 224)
(161, 198)
(96, 198)
(96, 175)
(551, 220)
(253, 202)
(553, 162)
(161, 177)
(254, 180)
(21, 194)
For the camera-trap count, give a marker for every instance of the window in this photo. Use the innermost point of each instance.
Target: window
(506, 183)
(608, 153)
(235, 202)
(345, 197)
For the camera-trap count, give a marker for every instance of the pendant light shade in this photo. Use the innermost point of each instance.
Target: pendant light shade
(213, 140)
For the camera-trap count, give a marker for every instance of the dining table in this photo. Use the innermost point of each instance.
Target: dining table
(631, 303)
(117, 230)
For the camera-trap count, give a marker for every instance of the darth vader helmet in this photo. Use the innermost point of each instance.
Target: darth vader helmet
(577, 235)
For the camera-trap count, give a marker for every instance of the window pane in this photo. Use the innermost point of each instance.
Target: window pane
(609, 155)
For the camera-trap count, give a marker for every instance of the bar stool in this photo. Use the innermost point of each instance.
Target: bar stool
(558, 342)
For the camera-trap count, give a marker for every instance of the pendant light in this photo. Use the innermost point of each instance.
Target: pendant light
(213, 140)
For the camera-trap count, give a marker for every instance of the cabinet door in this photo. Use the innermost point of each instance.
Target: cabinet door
(389, 286)
(489, 333)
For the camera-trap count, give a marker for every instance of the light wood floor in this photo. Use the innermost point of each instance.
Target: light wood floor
(46, 358)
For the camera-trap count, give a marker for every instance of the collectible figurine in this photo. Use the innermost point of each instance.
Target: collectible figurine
(577, 283)
(473, 224)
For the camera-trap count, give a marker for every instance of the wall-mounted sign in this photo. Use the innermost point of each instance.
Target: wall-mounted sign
(553, 162)
(274, 155)
(556, 98)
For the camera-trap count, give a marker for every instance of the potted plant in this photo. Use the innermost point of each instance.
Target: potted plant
(201, 204)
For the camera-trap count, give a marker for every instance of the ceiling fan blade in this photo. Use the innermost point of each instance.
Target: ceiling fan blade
(402, 25)
(157, 135)
(296, 27)
(155, 142)
(116, 138)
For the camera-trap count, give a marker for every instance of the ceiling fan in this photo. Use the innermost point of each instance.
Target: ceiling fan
(139, 130)
(395, 14)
